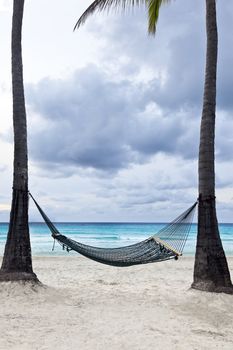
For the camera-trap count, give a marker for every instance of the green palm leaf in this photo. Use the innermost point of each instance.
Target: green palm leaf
(153, 13)
(102, 5)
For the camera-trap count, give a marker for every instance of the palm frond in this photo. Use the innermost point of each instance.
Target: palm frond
(153, 13)
(101, 5)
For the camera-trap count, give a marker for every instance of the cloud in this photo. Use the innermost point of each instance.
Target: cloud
(117, 140)
(141, 101)
(144, 98)
(225, 57)
(89, 120)
(5, 5)
(3, 168)
(85, 121)
(176, 54)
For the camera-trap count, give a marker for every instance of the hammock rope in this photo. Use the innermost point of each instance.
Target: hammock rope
(166, 244)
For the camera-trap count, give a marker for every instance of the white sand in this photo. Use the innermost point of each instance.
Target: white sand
(86, 305)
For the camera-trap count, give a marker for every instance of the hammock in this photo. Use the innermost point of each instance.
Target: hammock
(167, 244)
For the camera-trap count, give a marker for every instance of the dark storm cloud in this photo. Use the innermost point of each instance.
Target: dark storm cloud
(178, 49)
(179, 46)
(95, 121)
(87, 121)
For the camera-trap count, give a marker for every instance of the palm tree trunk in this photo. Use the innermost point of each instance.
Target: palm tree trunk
(17, 261)
(211, 271)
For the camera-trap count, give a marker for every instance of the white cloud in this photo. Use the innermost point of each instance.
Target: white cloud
(5, 5)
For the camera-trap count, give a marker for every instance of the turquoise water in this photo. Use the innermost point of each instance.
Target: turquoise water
(106, 235)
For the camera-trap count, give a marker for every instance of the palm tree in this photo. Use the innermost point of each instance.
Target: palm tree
(211, 271)
(17, 261)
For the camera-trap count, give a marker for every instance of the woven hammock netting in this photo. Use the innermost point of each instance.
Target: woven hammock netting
(166, 244)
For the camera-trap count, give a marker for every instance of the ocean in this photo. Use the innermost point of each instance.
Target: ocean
(106, 235)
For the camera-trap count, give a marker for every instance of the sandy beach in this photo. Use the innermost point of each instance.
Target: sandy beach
(85, 305)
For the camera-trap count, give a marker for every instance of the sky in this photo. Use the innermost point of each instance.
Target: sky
(113, 114)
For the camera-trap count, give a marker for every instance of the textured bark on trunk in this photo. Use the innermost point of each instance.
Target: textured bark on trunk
(17, 261)
(211, 271)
